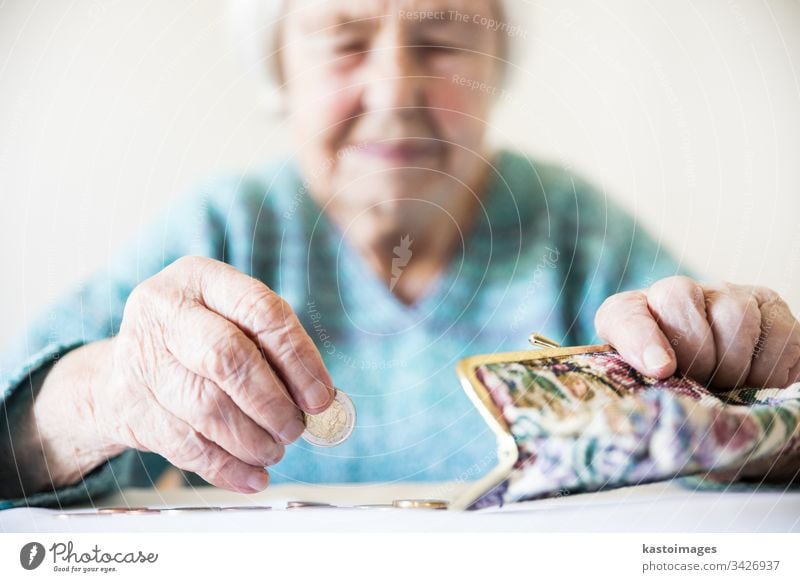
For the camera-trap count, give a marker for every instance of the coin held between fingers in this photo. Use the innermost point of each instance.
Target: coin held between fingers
(334, 425)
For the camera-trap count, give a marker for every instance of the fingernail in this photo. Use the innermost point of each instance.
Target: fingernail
(258, 481)
(318, 395)
(655, 357)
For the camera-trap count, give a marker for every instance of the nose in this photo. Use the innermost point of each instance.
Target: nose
(394, 80)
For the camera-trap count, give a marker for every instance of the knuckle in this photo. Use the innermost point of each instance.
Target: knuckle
(249, 297)
(191, 452)
(220, 465)
(290, 344)
(142, 296)
(276, 412)
(210, 409)
(156, 296)
(722, 308)
(267, 312)
(679, 286)
(679, 289)
(186, 264)
(608, 302)
(625, 296)
(185, 275)
(226, 359)
(750, 324)
(271, 404)
(609, 306)
(791, 349)
(769, 295)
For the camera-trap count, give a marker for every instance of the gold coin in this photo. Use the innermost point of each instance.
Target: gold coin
(307, 505)
(123, 509)
(420, 504)
(333, 426)
(176, 510)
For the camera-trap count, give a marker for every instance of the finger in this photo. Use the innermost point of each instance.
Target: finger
(155, 429)
(209, 410)
(776, 357)
(678, 305)
(735, 321)
(624, 321)
(267, 318)
(214, 348)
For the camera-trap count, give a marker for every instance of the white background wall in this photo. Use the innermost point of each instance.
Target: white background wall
(689, 112)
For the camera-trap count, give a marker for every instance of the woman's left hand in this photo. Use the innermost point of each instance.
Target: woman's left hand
(723, 335)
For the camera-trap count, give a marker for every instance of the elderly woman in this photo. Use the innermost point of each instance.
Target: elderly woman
(394, 243)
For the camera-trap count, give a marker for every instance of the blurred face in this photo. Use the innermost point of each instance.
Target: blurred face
(388, 132)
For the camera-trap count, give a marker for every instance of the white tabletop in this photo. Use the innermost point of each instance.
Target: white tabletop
(657, 507)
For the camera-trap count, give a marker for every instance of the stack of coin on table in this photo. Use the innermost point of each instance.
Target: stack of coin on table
(396, 504)
(330, 428)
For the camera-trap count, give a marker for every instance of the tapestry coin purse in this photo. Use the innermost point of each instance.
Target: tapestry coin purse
(577, 419)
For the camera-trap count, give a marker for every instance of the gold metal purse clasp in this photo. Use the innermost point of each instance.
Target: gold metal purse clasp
(540, 341)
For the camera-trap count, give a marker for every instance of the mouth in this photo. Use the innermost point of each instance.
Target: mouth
(400, 151)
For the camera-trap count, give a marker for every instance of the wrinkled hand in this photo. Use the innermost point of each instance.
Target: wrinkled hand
(723, 335)
(211, 370)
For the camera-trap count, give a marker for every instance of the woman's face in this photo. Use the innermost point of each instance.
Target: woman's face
(386, 103)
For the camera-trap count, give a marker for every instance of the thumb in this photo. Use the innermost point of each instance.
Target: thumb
(625, 321)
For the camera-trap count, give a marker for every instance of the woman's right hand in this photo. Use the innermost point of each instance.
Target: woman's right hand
(211, 370)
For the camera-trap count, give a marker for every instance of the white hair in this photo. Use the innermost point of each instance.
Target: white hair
(255, 29)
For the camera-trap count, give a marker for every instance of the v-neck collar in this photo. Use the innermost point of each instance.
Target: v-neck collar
(454, 288)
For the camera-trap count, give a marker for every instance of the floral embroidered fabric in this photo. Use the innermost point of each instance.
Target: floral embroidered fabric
(590, 421)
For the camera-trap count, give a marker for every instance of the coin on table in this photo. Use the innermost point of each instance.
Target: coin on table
(113, 510)
(177, 510)
(420, 504)
(307, 505)
(247, 508)
(333, 426)
(75, 514)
